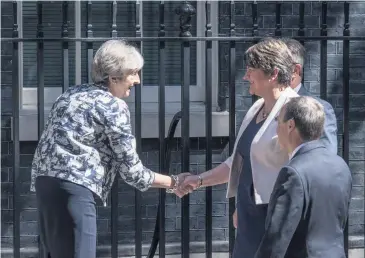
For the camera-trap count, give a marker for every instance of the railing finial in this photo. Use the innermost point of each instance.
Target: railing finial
(186, 11)
(15, 23)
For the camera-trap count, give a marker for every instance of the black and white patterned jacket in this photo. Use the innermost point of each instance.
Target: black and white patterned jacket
(87, 140)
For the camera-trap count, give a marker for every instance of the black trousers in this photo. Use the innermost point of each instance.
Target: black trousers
(67, 218)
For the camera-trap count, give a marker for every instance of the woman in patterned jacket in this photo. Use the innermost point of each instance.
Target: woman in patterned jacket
(86, 142)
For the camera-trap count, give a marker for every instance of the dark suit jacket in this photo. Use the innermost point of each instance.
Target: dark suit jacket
(329, 136)
(309, 206)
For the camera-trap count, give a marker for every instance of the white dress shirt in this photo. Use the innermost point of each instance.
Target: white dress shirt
(291, 155)
(296, 89)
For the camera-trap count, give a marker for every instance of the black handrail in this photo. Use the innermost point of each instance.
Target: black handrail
(165, 166)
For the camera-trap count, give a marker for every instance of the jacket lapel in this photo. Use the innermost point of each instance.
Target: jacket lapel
(234, 174)
(247, 119)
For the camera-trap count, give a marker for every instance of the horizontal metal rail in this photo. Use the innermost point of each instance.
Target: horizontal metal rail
(134, 39)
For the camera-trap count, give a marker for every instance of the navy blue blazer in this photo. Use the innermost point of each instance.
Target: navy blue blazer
(309, 206)
(329, 137)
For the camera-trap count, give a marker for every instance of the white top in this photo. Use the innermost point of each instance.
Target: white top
(267, 157)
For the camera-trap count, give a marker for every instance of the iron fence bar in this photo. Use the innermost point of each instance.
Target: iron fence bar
(185, 11)
(301, 30)
(114, 33)
(255, 25)
(15, 132)
(40, 69)
(187, 39)
(254, 33)
(114, 192)
(232, 107)
(40, 85)
(346, 102)
(138, 130)
(278, 20)
(90, 34)
(65, 57)
(185, 128)
(323, 53)
(222, 89)
(208, 131)
(301, 20)
(77, 29)
(161, 112)
(115, 187)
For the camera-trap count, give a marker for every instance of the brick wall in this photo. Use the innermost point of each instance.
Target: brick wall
(243, 22)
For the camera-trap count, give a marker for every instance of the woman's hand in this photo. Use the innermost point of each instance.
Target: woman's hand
(234, 218)
(181, 191)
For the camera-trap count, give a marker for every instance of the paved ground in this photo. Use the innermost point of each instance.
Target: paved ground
(32, 252)
(354, 253)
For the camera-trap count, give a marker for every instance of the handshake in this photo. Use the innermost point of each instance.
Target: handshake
(187, 183)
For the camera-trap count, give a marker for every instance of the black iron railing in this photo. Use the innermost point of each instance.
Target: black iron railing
(185, 13)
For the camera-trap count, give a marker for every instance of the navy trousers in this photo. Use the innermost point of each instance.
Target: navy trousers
(251, 224)
(67, 218)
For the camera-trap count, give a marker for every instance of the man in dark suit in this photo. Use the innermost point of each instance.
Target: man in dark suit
(309, 204)
(329, 136)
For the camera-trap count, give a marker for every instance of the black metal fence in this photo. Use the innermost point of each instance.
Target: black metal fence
(185, 12)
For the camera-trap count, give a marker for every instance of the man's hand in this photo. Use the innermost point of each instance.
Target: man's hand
(234, 216)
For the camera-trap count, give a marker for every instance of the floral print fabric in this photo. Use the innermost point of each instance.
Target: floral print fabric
(87, 140)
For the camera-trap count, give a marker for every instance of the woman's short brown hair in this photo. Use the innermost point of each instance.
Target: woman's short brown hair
(270, 54)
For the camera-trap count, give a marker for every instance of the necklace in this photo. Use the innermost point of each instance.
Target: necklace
(264, 114)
